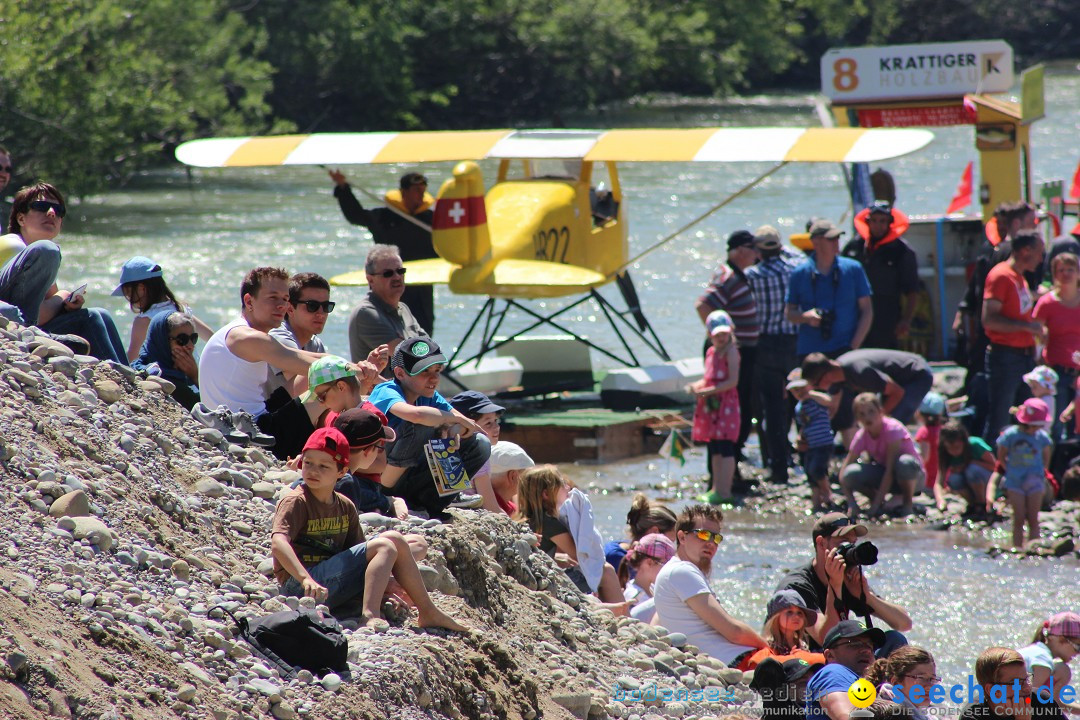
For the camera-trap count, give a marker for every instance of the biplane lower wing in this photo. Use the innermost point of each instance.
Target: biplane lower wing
(766, 144)
(435, 271)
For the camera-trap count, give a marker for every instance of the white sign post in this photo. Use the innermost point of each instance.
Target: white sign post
(916, 72)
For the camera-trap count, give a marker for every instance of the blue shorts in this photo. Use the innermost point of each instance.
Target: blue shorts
(816, 462)
(1027, 485)
(342, 575)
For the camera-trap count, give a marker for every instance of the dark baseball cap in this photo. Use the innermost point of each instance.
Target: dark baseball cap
(471, 403)
(836, 524)
(363, 427)
(826, 228)
(851, 629)
(796, 669)
(417, 354)
(739, 238)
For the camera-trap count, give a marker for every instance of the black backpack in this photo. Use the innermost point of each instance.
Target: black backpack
(297, 640)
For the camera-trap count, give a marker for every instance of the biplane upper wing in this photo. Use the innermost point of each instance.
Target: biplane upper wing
(644, 145)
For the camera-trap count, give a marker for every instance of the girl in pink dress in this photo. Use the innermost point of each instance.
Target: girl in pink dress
(716, 417)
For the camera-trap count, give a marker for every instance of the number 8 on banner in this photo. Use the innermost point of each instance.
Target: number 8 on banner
(845, 79)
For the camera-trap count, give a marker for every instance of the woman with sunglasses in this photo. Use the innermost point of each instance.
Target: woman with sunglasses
(142, 284)
(28, 277)
(170, 346)
(1056, 643)
(897, 677)
(646, 556)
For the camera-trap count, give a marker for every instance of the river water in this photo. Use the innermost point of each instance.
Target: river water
(209, 227)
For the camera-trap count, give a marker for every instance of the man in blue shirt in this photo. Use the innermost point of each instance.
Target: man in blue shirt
(416, 411)
(849, 650)
(829, 297)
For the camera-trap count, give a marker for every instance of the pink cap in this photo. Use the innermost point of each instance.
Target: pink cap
(1033, 412)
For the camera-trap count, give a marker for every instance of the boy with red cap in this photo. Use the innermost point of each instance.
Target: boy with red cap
(320, 551)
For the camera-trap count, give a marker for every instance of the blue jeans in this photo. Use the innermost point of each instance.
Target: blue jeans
(775, 359)
(973, 474)
(26, 278)
(914, 392)
(1005, 369)
(96, 327)
(342, 575)
(416, 487)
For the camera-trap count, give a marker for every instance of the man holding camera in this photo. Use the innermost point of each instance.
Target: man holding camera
(833, 583)
(829, 297)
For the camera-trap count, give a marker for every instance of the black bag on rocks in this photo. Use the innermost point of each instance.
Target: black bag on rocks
(297, 640)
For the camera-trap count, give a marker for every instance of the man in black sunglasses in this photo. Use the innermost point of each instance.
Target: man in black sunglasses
(390, 226)
(309, 308)
(381, 318)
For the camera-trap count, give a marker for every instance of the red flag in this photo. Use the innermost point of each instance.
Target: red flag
(962, 197)
(1074, 193)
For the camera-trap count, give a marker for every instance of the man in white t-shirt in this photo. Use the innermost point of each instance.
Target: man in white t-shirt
(684, 601)
(234, 370)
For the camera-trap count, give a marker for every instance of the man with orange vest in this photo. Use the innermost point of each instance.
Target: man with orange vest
(390, 226)
(892, 269)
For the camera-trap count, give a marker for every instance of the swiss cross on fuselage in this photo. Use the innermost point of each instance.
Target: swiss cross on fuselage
(456, 212)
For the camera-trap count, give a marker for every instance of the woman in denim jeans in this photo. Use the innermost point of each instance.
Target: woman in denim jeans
(28, 279)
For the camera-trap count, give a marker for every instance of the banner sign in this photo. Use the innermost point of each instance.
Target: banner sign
(923, 116)
(915, 72)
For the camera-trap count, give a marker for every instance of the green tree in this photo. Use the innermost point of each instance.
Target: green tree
(98, 89)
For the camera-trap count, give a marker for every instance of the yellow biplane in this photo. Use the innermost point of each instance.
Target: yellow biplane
(545, 229)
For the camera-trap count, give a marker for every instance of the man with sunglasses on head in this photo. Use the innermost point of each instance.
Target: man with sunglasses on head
(381, 318)
(684, 601)
(849, 650)
(309, 309)
(393, 225)
(828, 585)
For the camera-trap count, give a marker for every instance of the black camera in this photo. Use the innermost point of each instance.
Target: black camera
(825, 325)
(865, 553)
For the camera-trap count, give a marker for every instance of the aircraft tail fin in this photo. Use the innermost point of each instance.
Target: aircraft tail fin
(459, 227)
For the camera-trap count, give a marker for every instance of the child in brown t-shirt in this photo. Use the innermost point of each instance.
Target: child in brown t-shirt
(319, 549)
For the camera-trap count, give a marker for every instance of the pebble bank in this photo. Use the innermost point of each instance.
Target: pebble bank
(125, 524)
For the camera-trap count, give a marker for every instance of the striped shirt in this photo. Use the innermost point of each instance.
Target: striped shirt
(813, 422)
(728, 291)
(769, 283)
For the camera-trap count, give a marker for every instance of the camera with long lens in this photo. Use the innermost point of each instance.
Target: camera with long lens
(825, 325)
(865, 553)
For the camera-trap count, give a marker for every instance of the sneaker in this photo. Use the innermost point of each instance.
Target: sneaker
(468, 500)
(245, 423)
(218, 420)
(714, 498)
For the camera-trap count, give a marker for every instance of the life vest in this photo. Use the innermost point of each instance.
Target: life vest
(393, 198)
(753, 660)
(899, 226)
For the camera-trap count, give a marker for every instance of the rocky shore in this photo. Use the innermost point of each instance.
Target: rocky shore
(126, 524)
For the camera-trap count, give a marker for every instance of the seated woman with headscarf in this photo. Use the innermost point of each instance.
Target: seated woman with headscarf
(170, 345)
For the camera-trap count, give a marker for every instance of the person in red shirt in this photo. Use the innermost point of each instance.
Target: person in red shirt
(1008, 303)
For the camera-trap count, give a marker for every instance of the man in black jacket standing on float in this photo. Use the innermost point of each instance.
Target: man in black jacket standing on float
(388, 226)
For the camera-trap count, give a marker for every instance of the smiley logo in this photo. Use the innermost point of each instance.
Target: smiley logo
(862, 693)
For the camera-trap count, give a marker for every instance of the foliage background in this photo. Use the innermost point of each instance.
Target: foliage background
(92, 94)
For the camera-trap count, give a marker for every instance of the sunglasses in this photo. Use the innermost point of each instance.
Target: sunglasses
(183, 339)
(860, 644)
(321, 396)
(391, 273)
(44, 206)
(7, 168)
(313, 306)
(708, 535)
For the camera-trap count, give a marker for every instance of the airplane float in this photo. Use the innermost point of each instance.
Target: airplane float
(543, 230)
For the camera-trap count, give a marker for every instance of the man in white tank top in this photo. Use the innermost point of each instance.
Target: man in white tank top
(235, 366)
